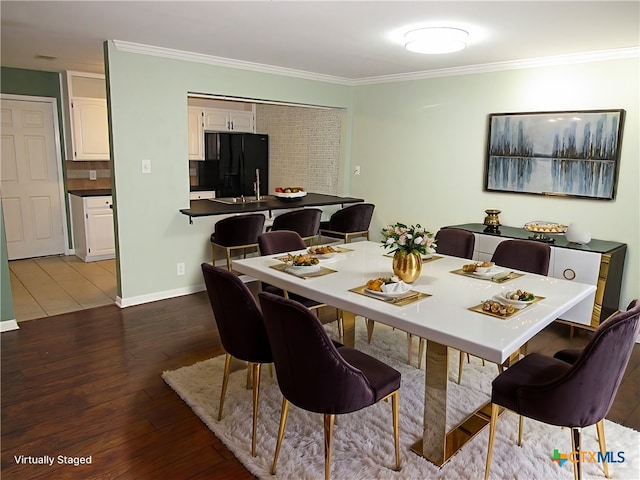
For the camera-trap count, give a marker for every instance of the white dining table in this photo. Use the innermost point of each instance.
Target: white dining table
(444, 318)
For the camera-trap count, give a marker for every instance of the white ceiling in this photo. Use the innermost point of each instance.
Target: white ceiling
(351, 41)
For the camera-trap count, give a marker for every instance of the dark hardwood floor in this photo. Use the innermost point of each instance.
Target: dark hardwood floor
(88, 384)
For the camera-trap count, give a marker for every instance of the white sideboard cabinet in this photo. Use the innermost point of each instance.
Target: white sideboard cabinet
(93, 233)
(599, 263)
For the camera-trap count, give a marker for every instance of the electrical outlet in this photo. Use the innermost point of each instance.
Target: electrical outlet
(146, 166)
(356, 170)
(180, 269)
(93, 175)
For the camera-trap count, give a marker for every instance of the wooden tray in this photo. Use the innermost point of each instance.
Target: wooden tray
(411, 297)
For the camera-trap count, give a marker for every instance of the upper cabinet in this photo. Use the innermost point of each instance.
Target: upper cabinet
(196, 133)
(88, 135)
(219, 120)
(208, 115)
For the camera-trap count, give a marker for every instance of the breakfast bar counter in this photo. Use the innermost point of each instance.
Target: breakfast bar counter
(205, 208)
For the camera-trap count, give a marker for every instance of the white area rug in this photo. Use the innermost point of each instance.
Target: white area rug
(363, 443)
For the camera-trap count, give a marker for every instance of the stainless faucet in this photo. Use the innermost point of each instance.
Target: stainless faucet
(256, 185)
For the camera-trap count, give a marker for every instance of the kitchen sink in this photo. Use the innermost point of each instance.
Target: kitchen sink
(239, 200)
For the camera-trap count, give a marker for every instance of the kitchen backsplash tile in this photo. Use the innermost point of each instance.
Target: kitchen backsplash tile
(304, 146)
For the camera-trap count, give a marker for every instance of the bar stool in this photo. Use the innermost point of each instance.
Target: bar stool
(349, 222)
(305, 222)
(236, 233)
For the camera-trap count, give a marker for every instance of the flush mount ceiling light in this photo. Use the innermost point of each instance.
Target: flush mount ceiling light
(436, 40)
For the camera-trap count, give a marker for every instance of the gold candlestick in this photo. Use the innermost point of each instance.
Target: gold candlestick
(492, 221)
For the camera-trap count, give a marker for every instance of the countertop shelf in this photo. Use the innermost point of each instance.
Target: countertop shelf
(206, 208)
(595, 245)
(99, 192)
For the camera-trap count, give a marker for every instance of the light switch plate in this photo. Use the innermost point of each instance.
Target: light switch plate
(93, 175)
(146, 166)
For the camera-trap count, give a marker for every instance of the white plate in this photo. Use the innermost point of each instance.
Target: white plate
(303, 269)
(389, 294)
(491, 273)
(427, 256)
(519, 304)
(290, 195)
(321, 256)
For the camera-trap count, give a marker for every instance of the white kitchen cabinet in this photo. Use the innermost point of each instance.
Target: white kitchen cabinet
(221, 120)
(93, 233)
(599, 263)
(88, 136)
(196, 133)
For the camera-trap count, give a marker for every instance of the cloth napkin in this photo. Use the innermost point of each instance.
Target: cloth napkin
(396, 287)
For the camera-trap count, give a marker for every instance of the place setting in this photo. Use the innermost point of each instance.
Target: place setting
(302, 266)
(487, 271)
(390, 290)
(506, 304)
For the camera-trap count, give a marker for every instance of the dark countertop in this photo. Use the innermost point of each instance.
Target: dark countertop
(101, 192)
(205, 208)
(595, 245)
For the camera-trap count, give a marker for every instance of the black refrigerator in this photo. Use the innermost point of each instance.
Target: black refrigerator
(230, 163)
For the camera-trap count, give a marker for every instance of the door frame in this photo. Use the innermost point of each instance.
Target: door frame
(58, 147)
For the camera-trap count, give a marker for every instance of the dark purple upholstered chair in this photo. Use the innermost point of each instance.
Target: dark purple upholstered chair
(241, 330)
(573, 389)
(455, 242)
(526, 255)
(306, 222)
(349, 222)
(236, 233)
(317, 376)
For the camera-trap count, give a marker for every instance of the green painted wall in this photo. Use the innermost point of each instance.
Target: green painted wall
(6, 307)
(421, 147)
(148, 108)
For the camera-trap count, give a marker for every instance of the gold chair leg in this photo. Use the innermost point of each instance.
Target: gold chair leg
(409, 342)
(460, 365)
(603, 446)
(225, 381)
(421, 344)
(340, 324)
(576, 446)
(256, 395)
(213, 254)
(283, 422)
(492, 434)
(228, 253)
(520, 428)
(395, 401)
(370, 325)
(328, 436)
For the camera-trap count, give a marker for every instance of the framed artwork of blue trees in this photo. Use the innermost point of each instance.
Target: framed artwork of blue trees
(572, 153)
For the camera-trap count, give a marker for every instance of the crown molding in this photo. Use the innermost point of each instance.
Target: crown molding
(223, 62)
(604, 55)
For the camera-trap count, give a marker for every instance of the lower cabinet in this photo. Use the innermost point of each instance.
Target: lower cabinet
(93, 234)
(600, 263)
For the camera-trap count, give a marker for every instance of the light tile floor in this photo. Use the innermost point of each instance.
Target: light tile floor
(47, 286)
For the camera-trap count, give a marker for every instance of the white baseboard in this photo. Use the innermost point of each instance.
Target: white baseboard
(154, 297)
(8, 325)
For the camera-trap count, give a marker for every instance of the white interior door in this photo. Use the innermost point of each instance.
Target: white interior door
(30, 179)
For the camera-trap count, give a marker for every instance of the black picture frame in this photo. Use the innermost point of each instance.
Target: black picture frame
(564, 153)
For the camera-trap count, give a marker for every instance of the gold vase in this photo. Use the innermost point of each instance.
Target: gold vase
(407, 266)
